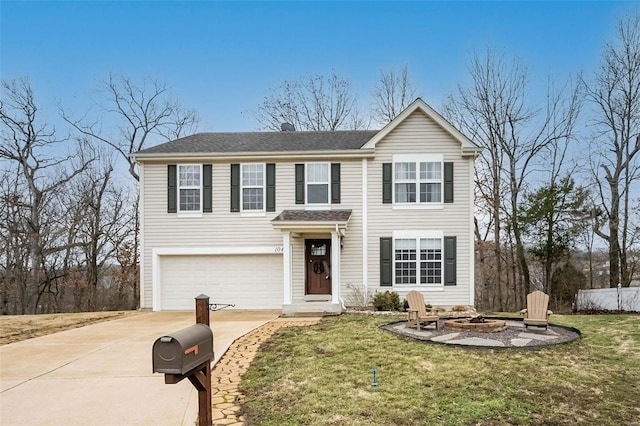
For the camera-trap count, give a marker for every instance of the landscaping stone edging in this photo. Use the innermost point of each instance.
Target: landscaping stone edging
(227, 373)
(567, 334)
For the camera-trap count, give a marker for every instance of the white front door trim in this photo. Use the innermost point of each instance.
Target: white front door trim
(335, 266)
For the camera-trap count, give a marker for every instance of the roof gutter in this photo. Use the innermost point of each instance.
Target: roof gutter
(311, 226)
(352, 153)
(471, 151)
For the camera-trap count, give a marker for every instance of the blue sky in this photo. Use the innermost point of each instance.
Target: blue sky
(221, 58)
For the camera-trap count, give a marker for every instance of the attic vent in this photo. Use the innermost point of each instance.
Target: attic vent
(287, 127)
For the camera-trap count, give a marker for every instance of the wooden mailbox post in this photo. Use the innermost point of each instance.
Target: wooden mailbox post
(174, 354)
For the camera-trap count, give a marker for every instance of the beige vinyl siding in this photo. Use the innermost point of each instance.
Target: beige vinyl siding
(297, 273)
(418, 134)
(351, 254)
(221, 228)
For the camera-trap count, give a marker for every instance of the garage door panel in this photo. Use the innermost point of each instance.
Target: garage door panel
(247, 281)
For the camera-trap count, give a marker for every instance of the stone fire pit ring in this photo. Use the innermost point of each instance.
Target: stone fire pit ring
(488, 326)
(511, 336)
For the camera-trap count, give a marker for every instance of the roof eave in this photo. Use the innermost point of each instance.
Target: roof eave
(310, 226)
(471, 151)
(344, 153)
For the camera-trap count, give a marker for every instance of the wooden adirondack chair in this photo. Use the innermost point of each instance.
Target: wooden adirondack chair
(417, 312)
(536, 313)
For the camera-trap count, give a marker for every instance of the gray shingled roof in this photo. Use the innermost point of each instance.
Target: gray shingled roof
(264, 142)
(313, 216)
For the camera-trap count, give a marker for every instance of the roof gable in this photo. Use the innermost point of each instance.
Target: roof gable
(468, 146)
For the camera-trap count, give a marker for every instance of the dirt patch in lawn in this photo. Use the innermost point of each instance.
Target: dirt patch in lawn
(15, 328)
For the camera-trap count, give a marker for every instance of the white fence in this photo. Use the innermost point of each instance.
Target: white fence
(610, 299)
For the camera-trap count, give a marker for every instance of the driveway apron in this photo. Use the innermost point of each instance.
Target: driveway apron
(101, 374)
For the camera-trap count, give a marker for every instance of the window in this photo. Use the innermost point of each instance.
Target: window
(253, 187)
(430, 261)
(405, 255)
(317, 183)
(417, 179)
(405, 178)
(413, 267)
(430, 182)
(189, 187)
(318, 249)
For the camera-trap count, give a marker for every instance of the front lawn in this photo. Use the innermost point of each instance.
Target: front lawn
(15, 328)
(321, 375)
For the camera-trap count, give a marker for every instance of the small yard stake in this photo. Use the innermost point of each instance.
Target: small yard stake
(375, 382)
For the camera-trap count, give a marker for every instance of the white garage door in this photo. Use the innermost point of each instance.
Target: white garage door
(246, 281)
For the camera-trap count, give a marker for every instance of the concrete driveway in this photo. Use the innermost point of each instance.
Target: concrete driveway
(101, 374)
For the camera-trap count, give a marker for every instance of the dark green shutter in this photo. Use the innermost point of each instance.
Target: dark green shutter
(387, 182)
(335, 183)
(172, 189)
(271, 187)
(207, 188)
(386, 261)
(235, 187)
(449, 260)
(448, 182)
(299, 183)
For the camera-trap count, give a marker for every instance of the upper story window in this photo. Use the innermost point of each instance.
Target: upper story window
(253, 184)
(189, 187)
(417, 179)
(317, 183)
(431, 182)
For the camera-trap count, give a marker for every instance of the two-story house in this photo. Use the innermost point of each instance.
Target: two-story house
(294, 220)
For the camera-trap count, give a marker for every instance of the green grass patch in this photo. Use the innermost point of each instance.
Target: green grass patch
(321, 375)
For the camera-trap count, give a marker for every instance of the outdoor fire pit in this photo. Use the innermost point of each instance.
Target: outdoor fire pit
(477, 323)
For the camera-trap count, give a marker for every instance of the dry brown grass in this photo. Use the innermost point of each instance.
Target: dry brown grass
(15, 328)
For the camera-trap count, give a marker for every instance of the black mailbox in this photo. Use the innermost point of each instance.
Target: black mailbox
(184, 350)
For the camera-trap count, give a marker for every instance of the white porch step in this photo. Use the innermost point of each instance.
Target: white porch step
(311, 309)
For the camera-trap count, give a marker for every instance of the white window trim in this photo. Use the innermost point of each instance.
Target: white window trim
(417, 159)
(316, 206)
(417, 236)
(253, 212)
(188, 213)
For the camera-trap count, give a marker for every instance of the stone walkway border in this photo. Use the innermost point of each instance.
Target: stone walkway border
(513, 336)
(228, 371)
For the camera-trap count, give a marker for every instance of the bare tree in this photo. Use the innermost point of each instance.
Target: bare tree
(393, 92)
(311, 103)
(99, 207)
(14, 242)
(495, 111)
(615, 93)
(26, 143)
(140, 113)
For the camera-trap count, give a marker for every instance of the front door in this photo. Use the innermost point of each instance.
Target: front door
(318, 266)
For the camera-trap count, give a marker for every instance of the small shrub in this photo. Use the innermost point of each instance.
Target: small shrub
(357, 297)
(387, 301)
(405, 306)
